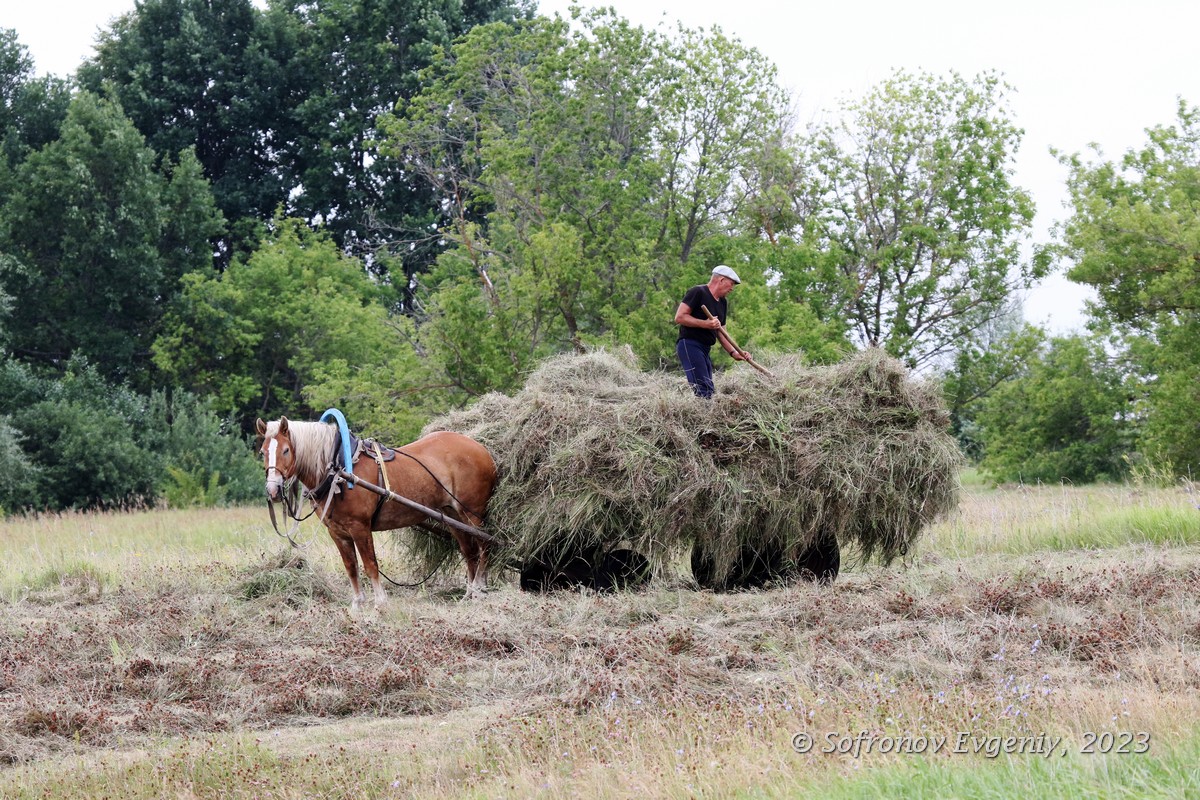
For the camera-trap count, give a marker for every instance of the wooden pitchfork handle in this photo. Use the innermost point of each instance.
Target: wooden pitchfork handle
(725, 334)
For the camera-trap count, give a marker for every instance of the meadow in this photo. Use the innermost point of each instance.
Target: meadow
(1042, 641)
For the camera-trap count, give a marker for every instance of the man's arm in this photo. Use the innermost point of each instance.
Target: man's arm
(684, 317)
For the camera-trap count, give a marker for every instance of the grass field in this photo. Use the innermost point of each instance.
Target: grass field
(191, 655)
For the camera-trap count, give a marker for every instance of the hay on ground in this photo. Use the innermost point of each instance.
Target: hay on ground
(594, 453)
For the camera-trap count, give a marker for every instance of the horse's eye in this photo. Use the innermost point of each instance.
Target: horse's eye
(287, 451)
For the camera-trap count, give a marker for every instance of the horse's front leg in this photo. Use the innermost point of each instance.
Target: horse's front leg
(366, 551)
(345, 546)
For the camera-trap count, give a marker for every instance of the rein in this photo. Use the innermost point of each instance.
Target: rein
(290, 500)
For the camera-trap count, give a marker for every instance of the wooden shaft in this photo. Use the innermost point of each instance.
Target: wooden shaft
(429, 512)
(724, 334)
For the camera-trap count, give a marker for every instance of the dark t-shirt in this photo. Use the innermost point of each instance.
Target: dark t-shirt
(696, 297)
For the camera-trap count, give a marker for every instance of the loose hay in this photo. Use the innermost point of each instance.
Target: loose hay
(594, 454)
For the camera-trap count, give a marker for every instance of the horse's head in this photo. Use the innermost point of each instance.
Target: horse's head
(278, 454)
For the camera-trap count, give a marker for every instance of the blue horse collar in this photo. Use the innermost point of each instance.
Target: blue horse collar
(344, 433)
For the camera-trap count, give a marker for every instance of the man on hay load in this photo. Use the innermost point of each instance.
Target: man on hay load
(698, 331)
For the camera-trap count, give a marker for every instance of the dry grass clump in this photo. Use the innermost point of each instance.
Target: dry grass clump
(288, 576)
(594, 454)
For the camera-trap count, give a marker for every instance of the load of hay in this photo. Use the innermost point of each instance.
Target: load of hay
(594, 454)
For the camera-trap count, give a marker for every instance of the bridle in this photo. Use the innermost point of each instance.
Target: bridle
(289, 495)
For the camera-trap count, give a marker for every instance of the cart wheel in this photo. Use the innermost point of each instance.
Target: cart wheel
(821, 562)
(622, 569)
(752, 569)
(539, 577)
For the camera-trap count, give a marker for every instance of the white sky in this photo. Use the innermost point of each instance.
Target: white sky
(1084, 72)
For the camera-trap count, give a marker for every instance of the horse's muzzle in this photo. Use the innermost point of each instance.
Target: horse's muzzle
(274, 486)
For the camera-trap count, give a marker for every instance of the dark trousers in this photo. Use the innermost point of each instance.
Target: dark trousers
(697, 366)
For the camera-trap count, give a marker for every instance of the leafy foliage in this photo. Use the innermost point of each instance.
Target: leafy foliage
(296, 312)
(210, 75)
(918, 208)
(81, 442)
(18, 476)
(582, 168)
(1135, 237)
(1062, 419)
(998, 354)
(92, 255)
(31, 108)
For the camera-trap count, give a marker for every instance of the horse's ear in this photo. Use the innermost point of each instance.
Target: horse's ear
(260, 426)
(283, 424)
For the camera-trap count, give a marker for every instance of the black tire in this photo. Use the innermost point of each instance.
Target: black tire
(821, 562)
(539, 577)
(753, 569)
(622, 569)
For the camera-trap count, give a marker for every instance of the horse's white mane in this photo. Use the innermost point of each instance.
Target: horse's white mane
(312, 444)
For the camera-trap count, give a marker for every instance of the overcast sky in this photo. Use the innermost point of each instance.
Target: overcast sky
(1084, 72)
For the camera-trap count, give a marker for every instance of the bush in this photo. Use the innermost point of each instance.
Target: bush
(80, 442)
(1062, 419)
(18, 477)
(206, 461)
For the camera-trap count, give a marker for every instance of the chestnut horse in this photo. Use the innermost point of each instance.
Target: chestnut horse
(445, 471)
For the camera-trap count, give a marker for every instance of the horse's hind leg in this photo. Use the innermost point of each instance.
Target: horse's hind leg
(470, 553)
(345, 546)
(481, 566)
(479, 579)
(475, 552)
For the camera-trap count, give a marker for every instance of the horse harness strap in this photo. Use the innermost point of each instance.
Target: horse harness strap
(381, 455)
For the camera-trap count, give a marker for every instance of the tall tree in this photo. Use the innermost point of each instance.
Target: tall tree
(1135, 232)
(716, 102)
(1134, 236)
(214, 75)
(921, 211)
(295, 313)
(579, 176)
(31, 108)
(1064, 417)
(91, 258)
(360, 57)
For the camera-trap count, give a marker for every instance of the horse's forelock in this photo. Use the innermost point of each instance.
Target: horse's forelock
(312, 443)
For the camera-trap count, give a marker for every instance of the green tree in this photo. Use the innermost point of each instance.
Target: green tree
(280, 104)
(81, 433)
(79, 441)
(580, 175)
(18, 476)
(258, 336)
(91, 255)
(1063, 418)
(359, 57)
(213, 75)
(204, 459)
(31, 109)
(998, 353)
(918, 206)
(1134, 236)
